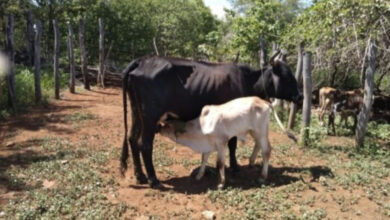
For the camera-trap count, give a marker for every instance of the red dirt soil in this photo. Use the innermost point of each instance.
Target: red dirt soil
(182, 194)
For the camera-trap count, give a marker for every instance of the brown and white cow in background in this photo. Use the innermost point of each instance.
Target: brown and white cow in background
(326, 99)
(218, 123)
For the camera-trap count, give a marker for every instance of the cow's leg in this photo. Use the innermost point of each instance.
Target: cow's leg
(139, 174)
(134, 140)
(355, 122)
(221, 166)
(232, 153)
(205, 157)
(331, 124)
(266, 153)
(147, 138)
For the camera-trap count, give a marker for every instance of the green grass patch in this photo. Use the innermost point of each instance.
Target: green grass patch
(78, 190)
(79, 117)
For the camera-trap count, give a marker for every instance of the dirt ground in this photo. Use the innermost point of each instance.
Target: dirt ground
(306, 182)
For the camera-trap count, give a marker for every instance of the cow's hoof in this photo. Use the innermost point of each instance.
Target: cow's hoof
(198, 177)
(261, 181)
(235, 169)
(221, 186)
(155, 184)
(141, 179)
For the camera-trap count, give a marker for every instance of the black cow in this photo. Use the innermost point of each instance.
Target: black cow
(157, 85)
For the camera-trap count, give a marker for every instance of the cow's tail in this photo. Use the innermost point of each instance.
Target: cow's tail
(289, 134)
(125, 147)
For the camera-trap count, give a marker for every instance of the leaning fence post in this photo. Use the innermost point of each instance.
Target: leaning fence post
(262, 53)
(55, 60)
(29, 38)
(71, 60)
(10, 77)
(83, 54)
(100, 78)
(306, 110)
(364, 114)
(37, 61)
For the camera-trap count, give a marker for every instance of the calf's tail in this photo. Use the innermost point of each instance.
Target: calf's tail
(125, 83)
(289, 134)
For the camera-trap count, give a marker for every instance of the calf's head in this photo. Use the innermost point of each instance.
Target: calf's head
(172, 128)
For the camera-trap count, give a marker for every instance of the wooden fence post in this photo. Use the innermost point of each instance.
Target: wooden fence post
(364, 114)
(298, 76)
(100, 79)
(30, 38)
(37, 61)
(306, 111)
(262, 53)
(10, 77)
(71, 60)
(55, 59)
(83, 54)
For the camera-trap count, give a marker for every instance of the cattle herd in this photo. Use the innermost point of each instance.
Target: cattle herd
(348, 104)
(207, 106)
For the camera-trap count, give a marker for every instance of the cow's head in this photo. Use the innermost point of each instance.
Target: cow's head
(279, 82)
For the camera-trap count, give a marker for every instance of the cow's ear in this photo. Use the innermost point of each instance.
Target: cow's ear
(272, 60)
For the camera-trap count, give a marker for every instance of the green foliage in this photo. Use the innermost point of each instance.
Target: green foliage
(337, 33)
(25, 91)
(178, 27)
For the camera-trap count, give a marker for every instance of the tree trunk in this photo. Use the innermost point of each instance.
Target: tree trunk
(37, 61)
(362, 73)
(100, 79)
(155, 47)
(364, 114)
(275, 46)
(263, 53)
(71, 60)
(237, 58)
(30, 38)
(55, 59)
(298, 77)
(333, 76)
(83, 54)
(106, 57)
(307, 98)
(10, 50)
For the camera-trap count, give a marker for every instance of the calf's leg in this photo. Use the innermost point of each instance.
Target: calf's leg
(205, 157)
(256, 150)
(221, 166)
(266, 153)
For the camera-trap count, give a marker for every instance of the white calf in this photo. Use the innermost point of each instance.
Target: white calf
(219, 123)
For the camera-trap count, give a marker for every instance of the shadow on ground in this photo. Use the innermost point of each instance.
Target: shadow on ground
(245, 179)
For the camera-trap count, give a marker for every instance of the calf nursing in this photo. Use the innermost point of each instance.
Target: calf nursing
(217, 124)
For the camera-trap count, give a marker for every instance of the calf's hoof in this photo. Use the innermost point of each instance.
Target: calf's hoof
(221, 186)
